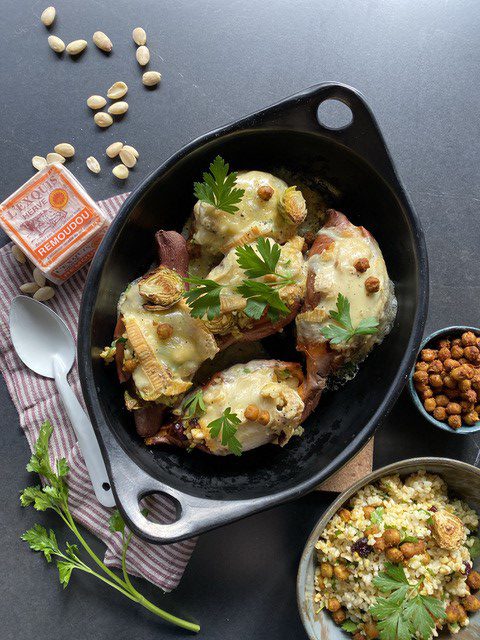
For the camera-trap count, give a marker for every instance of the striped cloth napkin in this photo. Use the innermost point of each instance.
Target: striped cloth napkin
(36, 399)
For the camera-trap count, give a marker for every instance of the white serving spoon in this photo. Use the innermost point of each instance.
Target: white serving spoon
(44, 343)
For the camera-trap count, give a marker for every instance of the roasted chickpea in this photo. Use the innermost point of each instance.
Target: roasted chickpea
(430, 405)
(470, 418)
(263, 418)
(372, 284)
(473, 580)
(470, 396)
(458, 373)
(371, 630)
(421, 366)
(426, 393)
(333, 605)
(265, 192)
(439, 413)
(456, 351)
(379, 545)
(455, 421)
(449, 382)
(326, 570)
(394, 555)
(164, 330)
(371, 530)
(361, 265)
(410, 549)
(341, 572)
(469, 339)
(251, 412)
(472, 354)
(345, 515)
(467, 406)
(435, 380)
(471, 603)
(435, 367)
(455, 613)
(392, 537)
(367, 511)
(456, 341)
(420, 377)
(465, 385)
(428, 355)
(339, 616)
(453, 408)
(444, 353)
(450, 364)
(441, 400)
(130, 365)
(445, 343)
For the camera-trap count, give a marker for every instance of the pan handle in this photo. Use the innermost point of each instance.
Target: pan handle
(194, 515)
(362, 135)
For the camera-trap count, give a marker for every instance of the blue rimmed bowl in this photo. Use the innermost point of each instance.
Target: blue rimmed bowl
(447, 332)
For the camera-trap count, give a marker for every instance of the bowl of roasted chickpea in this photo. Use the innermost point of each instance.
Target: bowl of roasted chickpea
(445, 382)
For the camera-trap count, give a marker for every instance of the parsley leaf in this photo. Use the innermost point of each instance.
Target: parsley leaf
(193, 404)
(204, 298)
(218, 187)
(227, 425)
(259, 296)
(377, 515)
(475, 548)
(349, 626)
(343, 331)
(258, 264)
(39, 539)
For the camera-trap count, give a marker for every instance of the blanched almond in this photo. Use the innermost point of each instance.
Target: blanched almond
(117, 91)
(55, 157)
(29, 287)
(120, 171)
(118, 108)
(143, 55)
(48, 16)
(96, 102)
(127, 147)
(39, 162)
(102, 41)
(103, 119)
(76, 46)
(127, 157)
(39, 277)
(151, 78)
(93, 164)
(139, 36)
(65, 149)
(44, 293)
(18, 254)
(57, 44)
(114, 149)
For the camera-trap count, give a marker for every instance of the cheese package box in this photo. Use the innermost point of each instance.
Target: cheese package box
(54, 222)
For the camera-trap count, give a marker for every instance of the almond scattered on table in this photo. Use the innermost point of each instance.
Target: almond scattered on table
(39, 277)
(120, 171)
(127, 147)
(56, 43)
(102, 41)
(39, 162)
(96, 102)
(139, 36)
(29, 287)
(118, 108)
(143, 55)
(44, 293)
(128, 158)
(93, 164)
(18, 254)
(48, 16)
(76, 46)
(55, 157)
(117, 91)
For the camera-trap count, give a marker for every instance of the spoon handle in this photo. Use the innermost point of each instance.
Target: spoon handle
(86, 437)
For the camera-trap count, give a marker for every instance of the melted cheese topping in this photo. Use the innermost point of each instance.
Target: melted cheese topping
(182, 354)
(334, 273)
(291, 264)
(253, 383)
(218, 231)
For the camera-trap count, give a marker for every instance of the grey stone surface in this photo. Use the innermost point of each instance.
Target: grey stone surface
(418, 65)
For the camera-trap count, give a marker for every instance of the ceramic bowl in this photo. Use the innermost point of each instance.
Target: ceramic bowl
(434, 337)
(463, 481)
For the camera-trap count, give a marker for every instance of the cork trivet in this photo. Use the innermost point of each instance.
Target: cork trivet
(354, 470)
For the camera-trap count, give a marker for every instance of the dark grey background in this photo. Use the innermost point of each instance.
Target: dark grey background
(418, 63)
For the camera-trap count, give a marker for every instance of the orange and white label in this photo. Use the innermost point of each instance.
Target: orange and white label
(51, 218)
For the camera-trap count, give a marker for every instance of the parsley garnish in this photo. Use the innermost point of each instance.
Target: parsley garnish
(404, 614)
(218, 187)
(475, 548)
(203, 298)
(343, 331)
(54, 495)
(259, 264)
(193, 405)
(377, 515)
(261, 296)
(227, 425)
(349, 626)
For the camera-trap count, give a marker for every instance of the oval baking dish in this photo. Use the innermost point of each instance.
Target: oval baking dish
(210, 491)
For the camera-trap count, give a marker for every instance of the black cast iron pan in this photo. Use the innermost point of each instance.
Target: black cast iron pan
(210, 491)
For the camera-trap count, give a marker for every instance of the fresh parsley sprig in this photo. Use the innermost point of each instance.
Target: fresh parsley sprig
(54, 495)
(194, 405)
(218, 187)
(261, 296)
(404, 614)
(227, 425)
(344, 330)
(261, 262)
(203, 298)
